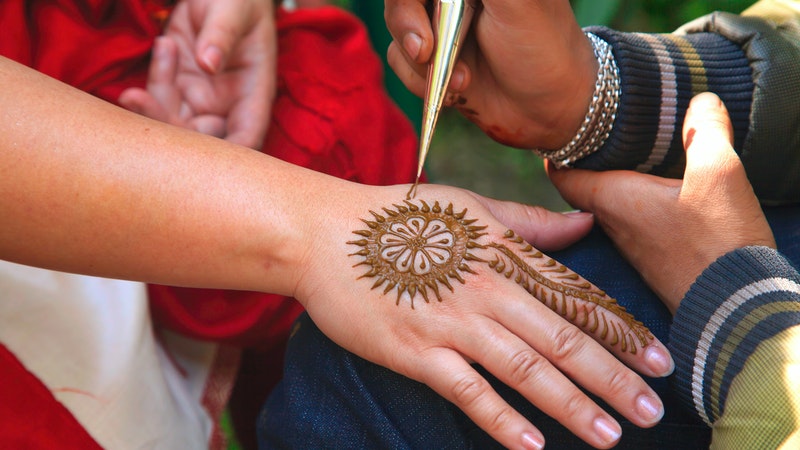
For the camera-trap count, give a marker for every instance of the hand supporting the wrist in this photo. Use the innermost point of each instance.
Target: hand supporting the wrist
(686, 223)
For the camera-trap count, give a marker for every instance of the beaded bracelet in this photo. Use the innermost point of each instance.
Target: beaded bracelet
(599, 120)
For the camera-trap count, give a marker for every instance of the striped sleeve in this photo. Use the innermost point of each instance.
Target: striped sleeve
(751, 62)
(659, 75)
(736, 344)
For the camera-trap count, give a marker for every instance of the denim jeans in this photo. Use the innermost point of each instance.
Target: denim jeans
(330, 398)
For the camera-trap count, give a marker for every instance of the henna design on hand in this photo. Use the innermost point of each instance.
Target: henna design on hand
(418, 248)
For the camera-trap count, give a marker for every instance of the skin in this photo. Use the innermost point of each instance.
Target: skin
(90, 188)
(529, 96)
(708, 213)
(213, 70)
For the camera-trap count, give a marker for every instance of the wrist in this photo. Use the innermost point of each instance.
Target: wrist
(598, 117)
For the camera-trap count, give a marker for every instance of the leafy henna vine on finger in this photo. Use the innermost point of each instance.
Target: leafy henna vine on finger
(416, 248)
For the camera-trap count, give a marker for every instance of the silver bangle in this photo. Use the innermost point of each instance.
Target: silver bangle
(599, 120)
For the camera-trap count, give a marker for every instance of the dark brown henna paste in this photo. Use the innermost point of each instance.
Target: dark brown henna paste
(416, 248)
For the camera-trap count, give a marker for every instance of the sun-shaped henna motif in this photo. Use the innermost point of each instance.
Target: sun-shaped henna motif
(416, 248)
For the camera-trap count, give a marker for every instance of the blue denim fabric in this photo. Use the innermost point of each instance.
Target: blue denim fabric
(330, 398)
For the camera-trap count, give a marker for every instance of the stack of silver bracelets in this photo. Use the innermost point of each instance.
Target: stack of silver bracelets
(599, 120)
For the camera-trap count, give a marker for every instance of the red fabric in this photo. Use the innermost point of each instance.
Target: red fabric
(98, 46)
(30, 417)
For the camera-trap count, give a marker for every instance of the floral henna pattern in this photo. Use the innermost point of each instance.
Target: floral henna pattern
(417, 248)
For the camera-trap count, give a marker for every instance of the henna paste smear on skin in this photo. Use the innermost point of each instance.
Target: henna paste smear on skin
(416, 248)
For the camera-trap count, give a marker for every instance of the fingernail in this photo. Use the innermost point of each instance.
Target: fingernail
(212, 58)
(412, 44)
(608, 431)
(659, 360)
(650, 409)
(457, 79)
(531, 441)
(582, 215)
(706, 101)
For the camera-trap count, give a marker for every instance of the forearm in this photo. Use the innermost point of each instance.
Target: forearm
(735, 341)
(90, 188)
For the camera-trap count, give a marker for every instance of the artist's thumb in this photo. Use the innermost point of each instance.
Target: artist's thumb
(708, 140)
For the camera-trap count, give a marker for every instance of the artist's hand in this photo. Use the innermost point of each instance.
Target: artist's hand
(213, 70)
(527, 73)
(671, 230)
(403, 252)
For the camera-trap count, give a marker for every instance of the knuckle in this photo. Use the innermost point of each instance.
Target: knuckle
(526, 365)
(567, 342)
(574, 404)
(619, 382)
(501, 420)
(469, 389)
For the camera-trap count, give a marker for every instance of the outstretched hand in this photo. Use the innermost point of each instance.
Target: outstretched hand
(527, 71)
(440, 282)
(686, 223)
(213, 70)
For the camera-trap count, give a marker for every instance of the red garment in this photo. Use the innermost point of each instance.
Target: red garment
(98, 46)
(30, 417)
(331, 114)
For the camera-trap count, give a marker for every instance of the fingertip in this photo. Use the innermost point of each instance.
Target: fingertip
(130, 100)
(659, 360)
(706, 101)
(412, 45)
(706, 112)
(583, 216)
(211, 59)
(607, 430)
(532, 441)
(650, 409)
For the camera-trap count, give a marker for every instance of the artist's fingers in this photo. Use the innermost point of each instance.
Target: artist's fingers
(412, 42)
(410, 26)
(412, 75)
(447, 373)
